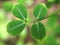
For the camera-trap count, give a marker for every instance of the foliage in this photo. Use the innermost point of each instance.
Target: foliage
(49, 3)
(21, 1)
(7, 6)
(57, 30)
(14, 26)
(39, 13)
(20, 11)
(38, 31)
(50, 39)
(53, 20)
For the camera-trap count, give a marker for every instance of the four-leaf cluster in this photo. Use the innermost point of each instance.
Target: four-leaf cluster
(37, 30)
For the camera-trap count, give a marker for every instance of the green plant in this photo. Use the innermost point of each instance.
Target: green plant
(38, 31)
(7, 6)
(49, 3)
(21, 1)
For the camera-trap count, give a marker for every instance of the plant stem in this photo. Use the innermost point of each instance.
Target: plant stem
(31, 21)
(39, 20)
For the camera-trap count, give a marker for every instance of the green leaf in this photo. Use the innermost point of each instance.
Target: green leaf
(40, 11)
(38, 31)
(52, 21)
(57, 30)
(51, 0)
(7, 6)
(21, 1)
(20, 11)
(50, 39)
(48, 4)
(15, 27)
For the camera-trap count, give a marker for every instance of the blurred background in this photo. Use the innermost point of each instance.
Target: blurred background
(52, 24)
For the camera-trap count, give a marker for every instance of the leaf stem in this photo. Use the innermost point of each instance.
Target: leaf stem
(47, 17)
(39, 19)
(31, 21)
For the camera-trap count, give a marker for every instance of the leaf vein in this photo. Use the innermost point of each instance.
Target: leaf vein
(16, 26)
(20, 13)
(39, 12)
(38, 29)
